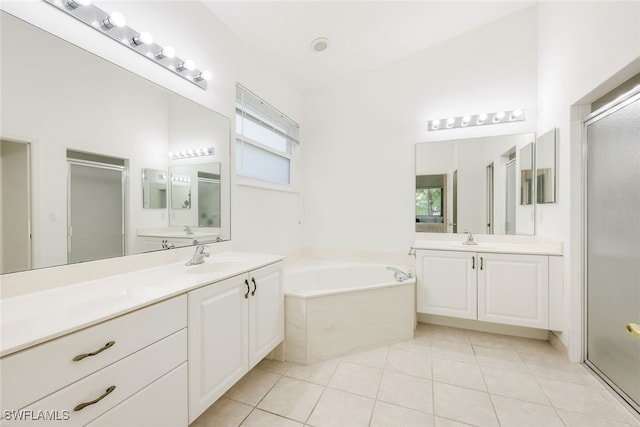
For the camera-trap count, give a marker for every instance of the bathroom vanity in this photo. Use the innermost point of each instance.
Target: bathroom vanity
(115, 350)
(505, 283)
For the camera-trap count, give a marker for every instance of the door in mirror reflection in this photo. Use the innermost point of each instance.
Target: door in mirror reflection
(96, 197)
(15, 209)
(208, 199)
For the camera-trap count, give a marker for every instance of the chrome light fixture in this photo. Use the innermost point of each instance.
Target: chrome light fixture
(477, 120)
(185, 154)
(114, 25)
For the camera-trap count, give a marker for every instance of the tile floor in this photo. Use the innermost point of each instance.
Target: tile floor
(444, 377)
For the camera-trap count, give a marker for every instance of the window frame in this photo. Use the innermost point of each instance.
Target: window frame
(292, 154)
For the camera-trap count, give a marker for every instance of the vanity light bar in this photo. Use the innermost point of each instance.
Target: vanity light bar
(114, 25)
(176, 178)
(185, 154)
(477, 120)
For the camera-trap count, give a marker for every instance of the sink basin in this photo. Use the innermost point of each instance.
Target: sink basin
(214, 265)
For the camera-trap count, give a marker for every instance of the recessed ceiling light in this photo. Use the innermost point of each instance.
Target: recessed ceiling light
(320, 44)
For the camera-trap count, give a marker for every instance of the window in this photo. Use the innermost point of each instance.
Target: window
(266, 140)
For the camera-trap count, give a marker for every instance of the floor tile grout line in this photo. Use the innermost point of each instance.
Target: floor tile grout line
(375, 399)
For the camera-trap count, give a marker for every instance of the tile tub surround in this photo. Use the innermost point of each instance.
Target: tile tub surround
(537, 387)
(333, 309)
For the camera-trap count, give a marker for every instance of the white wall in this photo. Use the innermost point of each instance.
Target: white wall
(195, 33)
(360, 134)
(581, 47)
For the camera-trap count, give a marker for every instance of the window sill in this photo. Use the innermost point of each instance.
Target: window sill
(243, 181)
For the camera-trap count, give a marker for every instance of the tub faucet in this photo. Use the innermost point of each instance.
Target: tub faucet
(199, 256)
(400, 275)
(469, 238)
(187, 229)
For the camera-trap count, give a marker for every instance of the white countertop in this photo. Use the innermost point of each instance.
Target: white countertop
(37, 317)
(542, 248)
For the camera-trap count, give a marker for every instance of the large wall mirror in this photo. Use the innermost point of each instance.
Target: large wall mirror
(475, 184)
(85, 163)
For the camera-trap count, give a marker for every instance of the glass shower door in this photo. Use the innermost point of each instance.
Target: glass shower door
(613, 247)
(96, 212)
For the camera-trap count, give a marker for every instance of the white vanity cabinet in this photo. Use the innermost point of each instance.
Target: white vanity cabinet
(447, 283)
(501, 288)
(514, 289)
(86, 374)
(233, 324)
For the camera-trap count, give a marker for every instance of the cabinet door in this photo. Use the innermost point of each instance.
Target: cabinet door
(217, 341)
(163, 403)
(266, 311)
(447, 283)
(514, 289)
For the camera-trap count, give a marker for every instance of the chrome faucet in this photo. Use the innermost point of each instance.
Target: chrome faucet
(469, 238)
(400, 275)
(187, 229)
(199, 256)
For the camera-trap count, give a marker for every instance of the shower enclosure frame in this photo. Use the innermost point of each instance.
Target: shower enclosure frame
(606, 110)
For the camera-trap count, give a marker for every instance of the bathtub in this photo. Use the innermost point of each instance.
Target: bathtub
(333, 309)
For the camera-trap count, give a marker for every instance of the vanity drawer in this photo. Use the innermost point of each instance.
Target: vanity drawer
(161, 404)
(31, 374)
(128, 376)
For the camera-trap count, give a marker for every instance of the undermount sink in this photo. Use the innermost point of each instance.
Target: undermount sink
(214, 265)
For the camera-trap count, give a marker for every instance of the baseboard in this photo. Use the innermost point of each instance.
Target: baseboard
(476, 325)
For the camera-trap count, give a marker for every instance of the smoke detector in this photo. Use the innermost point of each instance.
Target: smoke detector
(320, 44)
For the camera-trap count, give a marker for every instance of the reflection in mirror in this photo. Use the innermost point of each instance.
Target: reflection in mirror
(546, 167)
(202, 181)
(431, 204)
(154, 189)
(65, 109)
(472, 184)
(180, 191)
(526, 175)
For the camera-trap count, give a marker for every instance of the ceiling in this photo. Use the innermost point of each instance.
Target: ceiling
(364, 35)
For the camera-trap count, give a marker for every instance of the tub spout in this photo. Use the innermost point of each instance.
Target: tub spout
(400, 275)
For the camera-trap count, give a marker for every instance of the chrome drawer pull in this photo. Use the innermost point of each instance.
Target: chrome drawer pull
(82, 356)
(81, 406)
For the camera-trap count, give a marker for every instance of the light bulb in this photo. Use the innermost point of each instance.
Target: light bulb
(435, 124)
(188, 65)
(450, 121)
(205, 75)
(72, 4)
(515, 114)
(499, 116)
(466, 120)
(114, 20)
(481, 118)
(142, 38)
(166, 52)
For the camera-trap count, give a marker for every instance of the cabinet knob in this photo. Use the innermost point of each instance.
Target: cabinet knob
(81, 406)
(93, 353)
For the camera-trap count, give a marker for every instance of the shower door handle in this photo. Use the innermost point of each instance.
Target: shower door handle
(633, 329)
